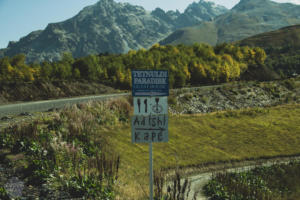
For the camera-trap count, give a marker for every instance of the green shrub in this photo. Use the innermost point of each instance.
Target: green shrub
(187, 96)
(254, 111)
(3, 194)
(172, 100)
(290, 84)
(231, 113)
(243, 92)
(260, 183)
(69, 151)
(204, 99)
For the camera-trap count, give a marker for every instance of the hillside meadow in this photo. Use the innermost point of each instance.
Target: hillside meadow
(209, 138)
(86, 149)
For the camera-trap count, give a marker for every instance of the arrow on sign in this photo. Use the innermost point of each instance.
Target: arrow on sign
(150, 129)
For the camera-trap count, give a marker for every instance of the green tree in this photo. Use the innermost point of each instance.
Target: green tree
(76, 73)
(64, 71)
(89, 67)
(67, 58)
(179, 79)
(198, 73)
(18, 60)
(46, 71)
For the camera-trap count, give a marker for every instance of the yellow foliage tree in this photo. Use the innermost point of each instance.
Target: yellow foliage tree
(186, 72)
(260, 55)
(228, 59)
(120, 76)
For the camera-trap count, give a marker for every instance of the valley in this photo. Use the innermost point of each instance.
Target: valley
(233, 106)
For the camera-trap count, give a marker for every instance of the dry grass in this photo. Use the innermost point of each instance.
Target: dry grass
(194, 140)
(211, 138)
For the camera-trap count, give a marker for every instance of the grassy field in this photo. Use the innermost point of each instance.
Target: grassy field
(216, 137)
(87, 139)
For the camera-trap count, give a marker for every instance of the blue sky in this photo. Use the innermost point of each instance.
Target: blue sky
(20, 17)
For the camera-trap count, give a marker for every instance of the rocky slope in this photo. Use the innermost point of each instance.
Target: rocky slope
(247, 18)
(110, 27)
(234, 96)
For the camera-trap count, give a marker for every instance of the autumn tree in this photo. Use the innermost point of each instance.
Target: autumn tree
(195, 64)
(6, 70)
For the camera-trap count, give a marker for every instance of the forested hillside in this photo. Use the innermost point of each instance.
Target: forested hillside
(187, 65)
(282, 47)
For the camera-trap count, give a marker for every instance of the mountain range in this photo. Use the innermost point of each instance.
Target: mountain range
(110, 27)
(247, 18)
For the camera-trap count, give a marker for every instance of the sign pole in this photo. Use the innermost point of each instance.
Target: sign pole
(149, 124)
(151, 170)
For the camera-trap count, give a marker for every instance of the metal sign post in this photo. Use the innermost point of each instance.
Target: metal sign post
(149, 123)
(150, 171)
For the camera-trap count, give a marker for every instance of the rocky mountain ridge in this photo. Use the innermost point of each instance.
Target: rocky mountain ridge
(247, 18)
(108, 26)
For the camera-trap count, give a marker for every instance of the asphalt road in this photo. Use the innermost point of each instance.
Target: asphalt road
(39, 106)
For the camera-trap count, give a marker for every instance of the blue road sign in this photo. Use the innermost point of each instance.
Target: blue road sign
(150, 83)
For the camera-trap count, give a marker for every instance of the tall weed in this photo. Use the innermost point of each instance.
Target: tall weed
(69, 151)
